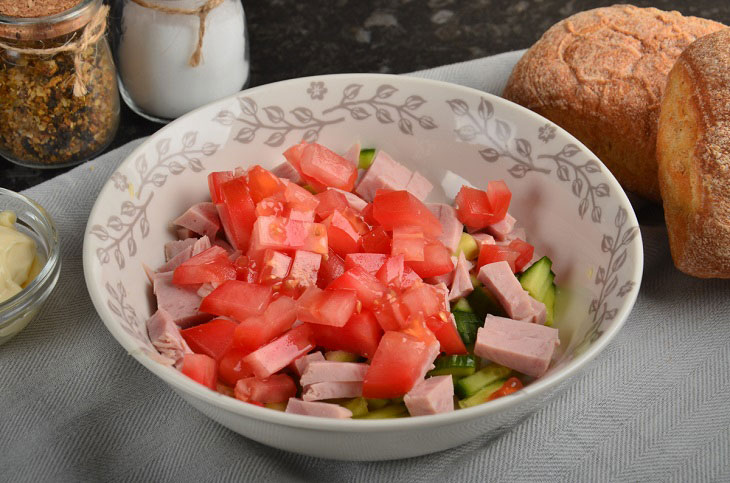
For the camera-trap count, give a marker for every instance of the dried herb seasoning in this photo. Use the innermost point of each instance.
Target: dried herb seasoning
(56, 109)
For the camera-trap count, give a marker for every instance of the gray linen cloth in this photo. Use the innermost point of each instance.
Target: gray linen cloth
(655, 405)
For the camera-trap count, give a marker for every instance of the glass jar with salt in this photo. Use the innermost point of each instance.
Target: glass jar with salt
(176, 55)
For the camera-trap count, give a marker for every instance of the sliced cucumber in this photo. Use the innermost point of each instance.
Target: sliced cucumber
(485, 376)
(366, 158)
(549, 302)
(377, 403)
(387, 412)
(538, 280)
(341, 356)
(461, 305)
(483, 302)
(482, 395)
(458, 366)
(467, 324)
(468, 246)
(358, 406)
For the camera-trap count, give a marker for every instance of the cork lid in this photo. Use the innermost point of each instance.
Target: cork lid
(44, 19)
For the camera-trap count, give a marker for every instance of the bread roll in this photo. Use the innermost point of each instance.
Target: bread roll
(600, 75)
(693, 154)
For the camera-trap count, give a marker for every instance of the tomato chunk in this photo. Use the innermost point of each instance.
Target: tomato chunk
(446, 333)
(237, 300)
(274, 267)
(279, 353)
(231, 367)
(213, 338)
(332, 266)
(409, 242)
(360, 335)
(409, 277)
(326, 307)
(478, 209)
(341, 235)
(510, 385)
(215, 180)
(400, 208)
(376, 240)
(200, 368)
(324, 167)
(436, 260)
(371, 262)
(364, 284)
(422, 299)
(497, 253)
(237, 212)
(284, 234)
(525, 250)
(391, 272)
(262, 183)
(247, 269)
(399, 362)
(256, 331)
(294, 155)
(390, 312)
(303, 273)
(211, 265)
(329, 202)
(275, 389)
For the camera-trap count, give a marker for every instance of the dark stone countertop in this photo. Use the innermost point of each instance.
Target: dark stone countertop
(289, 38)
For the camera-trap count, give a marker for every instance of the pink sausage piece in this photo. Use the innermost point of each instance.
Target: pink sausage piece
(181, 303)
(461, 286)
(331, 390)
(501, 229)
(319, 409)
(503, 284)
(165, 336)
(452, 227)
(174, 247)
(331, 371)
(431, 396)
(287, 171)
(301, 364)
(201, 218)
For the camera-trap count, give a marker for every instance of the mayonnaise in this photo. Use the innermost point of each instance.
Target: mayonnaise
(18, 260)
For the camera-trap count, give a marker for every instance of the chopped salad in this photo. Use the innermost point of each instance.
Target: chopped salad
(329, 287)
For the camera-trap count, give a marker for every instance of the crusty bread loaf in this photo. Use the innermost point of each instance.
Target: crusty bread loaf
(600, 75)
(693, 154)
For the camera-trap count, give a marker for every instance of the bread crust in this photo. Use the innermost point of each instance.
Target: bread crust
(693, 154)
(600, 74)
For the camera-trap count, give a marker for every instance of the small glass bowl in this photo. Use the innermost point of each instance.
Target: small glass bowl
(34, 221)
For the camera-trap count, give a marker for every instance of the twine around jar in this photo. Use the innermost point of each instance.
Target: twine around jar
(201, 12)
(92, 32)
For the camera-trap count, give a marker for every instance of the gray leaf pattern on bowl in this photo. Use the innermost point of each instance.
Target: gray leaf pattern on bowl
(128, 316)
(120, 229)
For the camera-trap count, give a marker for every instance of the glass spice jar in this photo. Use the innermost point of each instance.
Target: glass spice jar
(59, 101)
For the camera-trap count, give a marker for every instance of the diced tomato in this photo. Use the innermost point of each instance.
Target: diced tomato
(417, 328)
(263, 183)
(510, 385)
(391, 272)
(211, 265)
(360, 335)
(371, 262)
(213, 338)
(238, 214)
(525, 250)
(367, 215)
(376, 240)
(303, 274)
(400, 208)
(446, 333)
(329, 201)
(231, 367)
(323, 167)
(390, 313)
(256, 331)
(400, 361)
(247, 269)
(332, 266)
(215, 180)
(200, 368)
(436, 260)
(294, 155)
(284, 234)
(478, 209)
(409, 277)
(326, 307)
(409, 242)
(280, 352)
(237, 300)
(270, 207)
(497, 253)
(299, 198)
(368, 288)
(422, 299)
(274, 267)
(341, 235)
(277, 388)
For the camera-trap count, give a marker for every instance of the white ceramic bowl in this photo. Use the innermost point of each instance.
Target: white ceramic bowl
(572, 207)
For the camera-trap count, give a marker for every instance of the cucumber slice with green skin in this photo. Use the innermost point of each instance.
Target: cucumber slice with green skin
(471, 385)
(538, 280)
(467, 324)
(549, 302)
(483, 302)
(358, 406)
(377, 403)
(468, 246)
(341, 356)
(482, 395)
(366, 158)
(459, 366)
(387, 412)
(461, 305)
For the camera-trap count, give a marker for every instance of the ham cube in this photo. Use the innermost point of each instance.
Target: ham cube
(287, 171)
(502, 228)
(331, 371)
(355, 203)
(165, 336)
(331, 390)
(384, 173)
(419, 186)
(182, 303)
(452, 227)
(201, 218)
(318, 409)
(201, 245)
(461, 285)
(516, 233)
(522, 346)
(499, 279)
(431, 396)
(301, 364)
(279, 353)
(539, 312)
(178, 259)
(483, 239)
(174, 247)
(353, 154)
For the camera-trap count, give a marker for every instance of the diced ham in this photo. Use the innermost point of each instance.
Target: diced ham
(305, 268)
(184, 233)
(516, 233)
(384, 173)
(522, 346)
(165, 336)
(206, 288)
(149, 272)
(539, 312)
(301, 364)
(201, 245)
(287, 171)
(431, 396)
(181, 303)
(461, 285)
(331, 390)
(201, 218)
(180, 257)
(318, 409)
(331, 371)
(353, 154)
(226, 246)
(419, 186)
(503, 284)
(452, 227)
(356, 203)
(174, 247)
(483, 239)
(501, 229)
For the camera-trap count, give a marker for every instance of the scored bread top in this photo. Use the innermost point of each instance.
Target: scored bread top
(608, 66)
